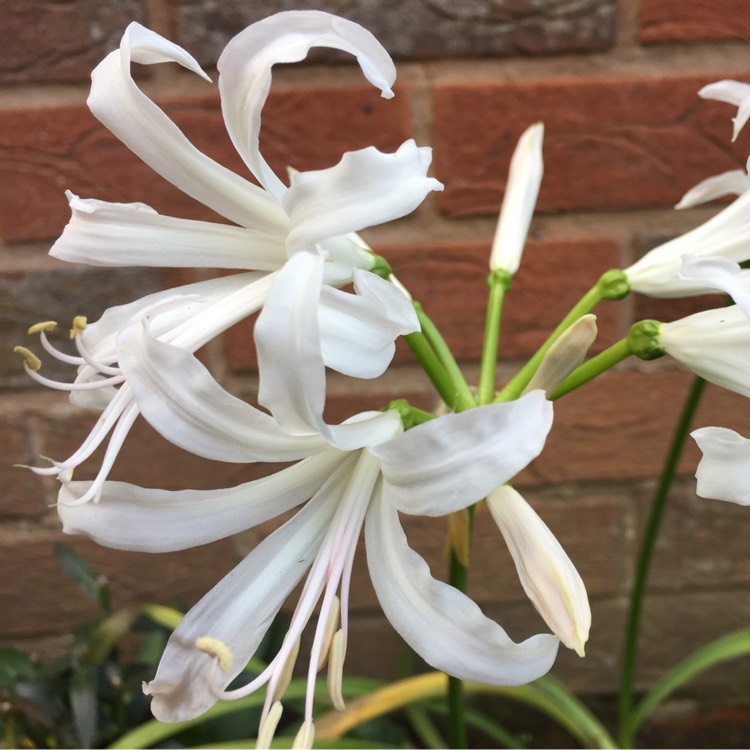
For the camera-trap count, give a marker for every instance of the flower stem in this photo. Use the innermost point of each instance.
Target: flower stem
(595, 366)
(611, 285)
(627, 726)
(499, 282)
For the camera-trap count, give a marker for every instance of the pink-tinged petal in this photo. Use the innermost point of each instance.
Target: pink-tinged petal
(446, 628)
(364, 189)
(245, 72)
(144, 128)
(239, 610)
(455, 460)
(546, 573)
(133, 234)
(180, 398)
(724, 471)
(358, 331)
(129, 517)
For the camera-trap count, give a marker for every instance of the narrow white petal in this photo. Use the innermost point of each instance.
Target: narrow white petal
(144, 128)
(546, 573)
(734, 182)
(519, 200)
(444, 626)
(457, 459)
(245, 72)
(180, 398)
(358, 331)
(133, 234)
(129, 517)
(731, 92)
(721, 274)
(364, 189)
(724, 471)
(240, 608)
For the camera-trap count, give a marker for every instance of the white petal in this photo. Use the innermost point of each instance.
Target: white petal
(133, 234)
(444, 626)
(245, 72)
(129, 517)
(722, 274)
(240, 608)
(358, 331)
(181, 400)
(142, 126)
(457, 459)
(724, 471)
(734, 182)
(548, 576)
(364, 189)
(731, 92)
(714, 344)
(519, 200)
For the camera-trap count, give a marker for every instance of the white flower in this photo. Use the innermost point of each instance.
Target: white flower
(724, 471)
(731, 92)
(726, 234)
(548, 576)
(733, 182)
(714, 344)
(721, 274)
(519, 200)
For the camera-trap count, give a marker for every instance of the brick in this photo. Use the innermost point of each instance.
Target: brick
(45, 151)
(692, 20)
(41, 599)
(610, 143)
(414, 29)
(61, 41)
(23, 492)
(28, 298)
(618, 427)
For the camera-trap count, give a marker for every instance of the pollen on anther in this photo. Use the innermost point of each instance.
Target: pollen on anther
(31, 360)
(79, 325)
(216, 648)
(46, 325)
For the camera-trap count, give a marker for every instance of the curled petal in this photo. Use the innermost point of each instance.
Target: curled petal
(731, 92)
(723, 471)
(238, 611)
(455, 460)
(180, 398)
(546, 573)
(129, 517)
(245, 72)
(444, 626)
(144, 128)
(364, 189)
(133, 234)
(734, 182)
(719, 273)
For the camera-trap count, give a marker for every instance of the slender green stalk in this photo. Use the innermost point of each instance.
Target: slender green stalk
(464, 397)
(499, 283)
(595, 366)
(627, 719)
(432, 366)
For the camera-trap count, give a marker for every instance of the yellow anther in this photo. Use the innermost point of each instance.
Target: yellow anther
(79, 325)
(46, 325)
(336, 670)
(305, 737)
(332, 625)
(30, 359)
(216, 648)
(286, 672)
(267, 728)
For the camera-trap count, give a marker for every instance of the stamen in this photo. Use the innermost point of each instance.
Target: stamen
(56, 353)
(32, 362)
(47, 325)
(305, 737)
(267, 728)
(336, 670)
(79, 325)
(216, 648)
(332, 625)
(99, 366)
(284, 675)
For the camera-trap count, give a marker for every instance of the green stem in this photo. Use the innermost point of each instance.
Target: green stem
(464, 398)
(627, 719)
(611, 285)
(432, 366)
(595, 366)
(499, 283)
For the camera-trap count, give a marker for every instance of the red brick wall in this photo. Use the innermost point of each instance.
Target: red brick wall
(626, 135)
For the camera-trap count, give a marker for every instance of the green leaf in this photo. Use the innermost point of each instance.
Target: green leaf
(14, 665)
(76, 568)
(107, 633)
(167, 617)
(727, 647)
(83, 704)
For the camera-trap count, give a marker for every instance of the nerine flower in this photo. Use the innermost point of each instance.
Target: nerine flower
(428, 470)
